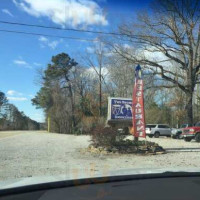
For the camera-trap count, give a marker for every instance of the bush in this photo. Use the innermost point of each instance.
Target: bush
(105, 136)
(88, 124)
(110, 140)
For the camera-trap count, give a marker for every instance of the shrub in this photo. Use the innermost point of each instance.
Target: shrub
(110, 140)
(105, 136)
(88, 124)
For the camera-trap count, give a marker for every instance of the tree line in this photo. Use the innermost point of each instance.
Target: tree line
(12, 119)
(164, 40)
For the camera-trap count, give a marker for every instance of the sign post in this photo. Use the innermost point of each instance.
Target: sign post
(138, 105)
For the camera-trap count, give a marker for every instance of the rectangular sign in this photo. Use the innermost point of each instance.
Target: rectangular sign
(120, 108)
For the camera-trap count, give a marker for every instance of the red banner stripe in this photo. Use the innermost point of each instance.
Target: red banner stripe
(138, 109)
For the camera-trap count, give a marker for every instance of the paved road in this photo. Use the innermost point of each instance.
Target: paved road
(28, 154)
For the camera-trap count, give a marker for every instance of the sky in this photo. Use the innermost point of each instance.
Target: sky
(22, 55)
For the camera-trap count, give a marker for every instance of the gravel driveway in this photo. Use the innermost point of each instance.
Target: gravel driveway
(40, 153)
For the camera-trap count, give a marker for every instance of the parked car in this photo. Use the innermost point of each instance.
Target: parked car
(192, 132)
(157, 130)
(177, 132)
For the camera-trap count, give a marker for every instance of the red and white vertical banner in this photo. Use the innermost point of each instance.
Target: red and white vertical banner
(138, 105)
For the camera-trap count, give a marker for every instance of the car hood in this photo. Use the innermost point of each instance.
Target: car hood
(191, 127)
(14, 183)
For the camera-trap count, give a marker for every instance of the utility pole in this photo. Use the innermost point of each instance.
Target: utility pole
(49, 124)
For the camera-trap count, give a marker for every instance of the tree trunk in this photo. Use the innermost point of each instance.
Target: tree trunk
(189, 108)
(73, 107)
(189, 95)
(100, 94)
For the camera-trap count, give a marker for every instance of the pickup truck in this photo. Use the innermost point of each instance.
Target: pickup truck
(177, 132)
(192, 132)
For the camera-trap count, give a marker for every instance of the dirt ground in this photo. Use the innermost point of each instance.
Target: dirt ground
(32, 153)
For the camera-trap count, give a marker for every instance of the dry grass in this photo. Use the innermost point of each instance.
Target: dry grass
(5, 134)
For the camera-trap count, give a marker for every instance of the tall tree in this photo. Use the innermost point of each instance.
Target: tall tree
(97, 60)
(3, 98)
(59, 70)
(3, 103)
(58, 90)
(168, 44)
(121, 77)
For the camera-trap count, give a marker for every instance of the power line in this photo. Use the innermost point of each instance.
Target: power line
(58, 28)
(47, 35)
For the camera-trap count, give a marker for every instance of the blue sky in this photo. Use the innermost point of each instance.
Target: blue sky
(21, 55)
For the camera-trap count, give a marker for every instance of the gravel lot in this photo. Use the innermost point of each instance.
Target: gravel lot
(28, 154)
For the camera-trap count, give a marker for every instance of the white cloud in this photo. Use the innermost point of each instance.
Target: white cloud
(43, 39)
(17, 98)
(13, 92)
(109, 54)
(90, 50)
(93, 74)
(22, 63)
(127, 46)
(6, 11)
(65, 12)
(152, 54)
(14, 95)
(37, 64)
(46, 42)
(53, 44)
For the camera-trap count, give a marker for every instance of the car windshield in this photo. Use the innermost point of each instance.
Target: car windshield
(197, 124)
(98, 88)
(183, 126)
(150, 126)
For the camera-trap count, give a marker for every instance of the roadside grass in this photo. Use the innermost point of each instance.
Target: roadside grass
(5, 134)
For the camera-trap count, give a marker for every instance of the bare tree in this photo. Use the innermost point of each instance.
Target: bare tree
(121, 76)
(97, 61)
(167, 43)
